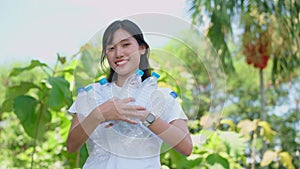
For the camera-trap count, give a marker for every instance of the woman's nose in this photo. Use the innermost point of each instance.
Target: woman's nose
(119, 52)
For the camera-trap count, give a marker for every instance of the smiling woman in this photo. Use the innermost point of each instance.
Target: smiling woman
(127, 52)
(125, 45)
(124, 55)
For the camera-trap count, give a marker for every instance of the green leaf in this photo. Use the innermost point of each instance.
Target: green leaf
(14, 91)
(20, 89)
(235, 143)
(215, 166)
(193, 161)
(33, 64)
(64, 125)
(215, 158)
(33, 120)
(60, 94)
(61, 59)
(259, 143)
(176, 158)
(181, 161)
(7, 105)
(71, 71)
(83, 155)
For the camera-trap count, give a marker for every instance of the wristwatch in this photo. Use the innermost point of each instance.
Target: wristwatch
(150, 118)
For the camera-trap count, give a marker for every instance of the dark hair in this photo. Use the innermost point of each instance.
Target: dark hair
(137, 34)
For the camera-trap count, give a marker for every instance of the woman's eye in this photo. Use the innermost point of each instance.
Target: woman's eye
(126, 44)
(111, 48)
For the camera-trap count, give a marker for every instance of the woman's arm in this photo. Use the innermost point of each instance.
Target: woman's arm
(175, 133)
(80, 131)
(113, 109)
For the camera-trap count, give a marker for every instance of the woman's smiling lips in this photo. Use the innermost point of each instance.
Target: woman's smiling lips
(121, 62)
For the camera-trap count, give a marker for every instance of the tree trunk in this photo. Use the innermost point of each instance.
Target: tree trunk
(263, 115)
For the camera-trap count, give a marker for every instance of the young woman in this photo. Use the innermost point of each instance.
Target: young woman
(126, 51)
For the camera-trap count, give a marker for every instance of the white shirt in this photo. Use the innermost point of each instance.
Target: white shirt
(110, 149)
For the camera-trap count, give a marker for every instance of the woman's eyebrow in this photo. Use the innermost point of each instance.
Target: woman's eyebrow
(123, 40)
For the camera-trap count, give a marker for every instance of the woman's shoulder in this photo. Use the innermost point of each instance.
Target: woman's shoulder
(164, 89)
(167, 92)
(93, 85)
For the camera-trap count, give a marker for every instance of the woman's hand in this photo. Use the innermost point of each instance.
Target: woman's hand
(119, 109)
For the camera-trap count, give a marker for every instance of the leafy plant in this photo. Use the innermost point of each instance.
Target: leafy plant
(39, 100)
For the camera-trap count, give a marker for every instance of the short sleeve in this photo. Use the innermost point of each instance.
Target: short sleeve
(76, 103)
(79, 103)
(170, 108)
(72, 109)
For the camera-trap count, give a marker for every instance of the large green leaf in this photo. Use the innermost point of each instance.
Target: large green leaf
(33, 64)
(32, 117)
(60, 94)
(215, 158)
(15, 91)
(20, 89)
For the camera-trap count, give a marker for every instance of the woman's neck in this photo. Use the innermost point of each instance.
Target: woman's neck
(120, 82)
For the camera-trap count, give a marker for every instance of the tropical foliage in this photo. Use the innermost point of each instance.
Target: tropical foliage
(257, 127)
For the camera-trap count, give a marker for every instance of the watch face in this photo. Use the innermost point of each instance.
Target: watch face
(150, 118)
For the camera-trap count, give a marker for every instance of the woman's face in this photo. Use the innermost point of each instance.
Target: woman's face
(124, 53)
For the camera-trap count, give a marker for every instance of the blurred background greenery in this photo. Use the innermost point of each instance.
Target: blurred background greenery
(259, 126)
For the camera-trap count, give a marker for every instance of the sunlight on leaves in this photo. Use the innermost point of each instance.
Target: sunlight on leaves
(266, 131)
(229, 122)
(268, 157)
(286, 160)
(247, 126)
(208, 121)
(234, 142)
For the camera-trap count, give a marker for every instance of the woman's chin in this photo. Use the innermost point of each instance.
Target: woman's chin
(124, 71)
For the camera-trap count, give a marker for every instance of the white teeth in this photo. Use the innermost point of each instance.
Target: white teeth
(122, 62)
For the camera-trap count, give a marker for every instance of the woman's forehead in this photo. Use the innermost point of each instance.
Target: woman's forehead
(120, 35)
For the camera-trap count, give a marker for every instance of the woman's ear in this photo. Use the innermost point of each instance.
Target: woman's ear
(142, 49)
